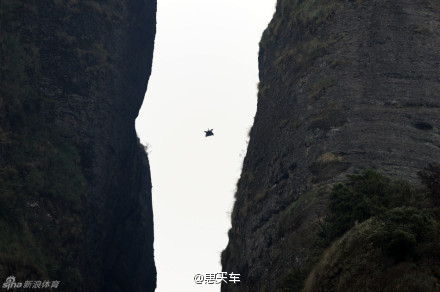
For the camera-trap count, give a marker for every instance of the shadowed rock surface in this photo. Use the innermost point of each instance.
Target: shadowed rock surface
(344, 86)
(75, 180)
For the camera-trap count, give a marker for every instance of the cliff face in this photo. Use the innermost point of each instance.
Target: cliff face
(76, 189)
(344, 86)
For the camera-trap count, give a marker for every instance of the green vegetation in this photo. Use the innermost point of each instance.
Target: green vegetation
(434, 3)
(339, 63)
(422, 30)
(364, 196)
(306, 12)
(260, 195)
(401, 231)
(305, 53)
(309, 47)
(112, 10)
(430, 176)
(283, 124)
(293, 280)
(399, 248)
(262, 90)
(376, 228)
(42, 187)
(296, 212)
(332, 115)
(101, 58)
(327, 165)
(319, 88)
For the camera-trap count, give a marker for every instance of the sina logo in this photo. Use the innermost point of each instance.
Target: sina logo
(10, 283)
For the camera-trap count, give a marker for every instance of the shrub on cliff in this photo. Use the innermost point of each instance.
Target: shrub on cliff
(395, 251)
(430, 176)
(364, 196)
(386, 230)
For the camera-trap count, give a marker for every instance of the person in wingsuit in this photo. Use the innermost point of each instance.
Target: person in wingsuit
(209, 133)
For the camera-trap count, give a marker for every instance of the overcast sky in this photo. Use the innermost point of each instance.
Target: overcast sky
(205, 75)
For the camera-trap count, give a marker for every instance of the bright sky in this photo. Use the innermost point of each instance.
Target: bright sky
(205, 75)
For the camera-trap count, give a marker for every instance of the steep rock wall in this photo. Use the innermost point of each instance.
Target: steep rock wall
(344, 86)
(77, 180)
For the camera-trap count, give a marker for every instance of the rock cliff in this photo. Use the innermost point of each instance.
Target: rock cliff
(75, 182)
(345, 86)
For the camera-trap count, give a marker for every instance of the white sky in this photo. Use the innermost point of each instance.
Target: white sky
(205, 75)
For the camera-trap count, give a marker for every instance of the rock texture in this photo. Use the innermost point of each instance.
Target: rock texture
(344, 86)
(74, 74)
